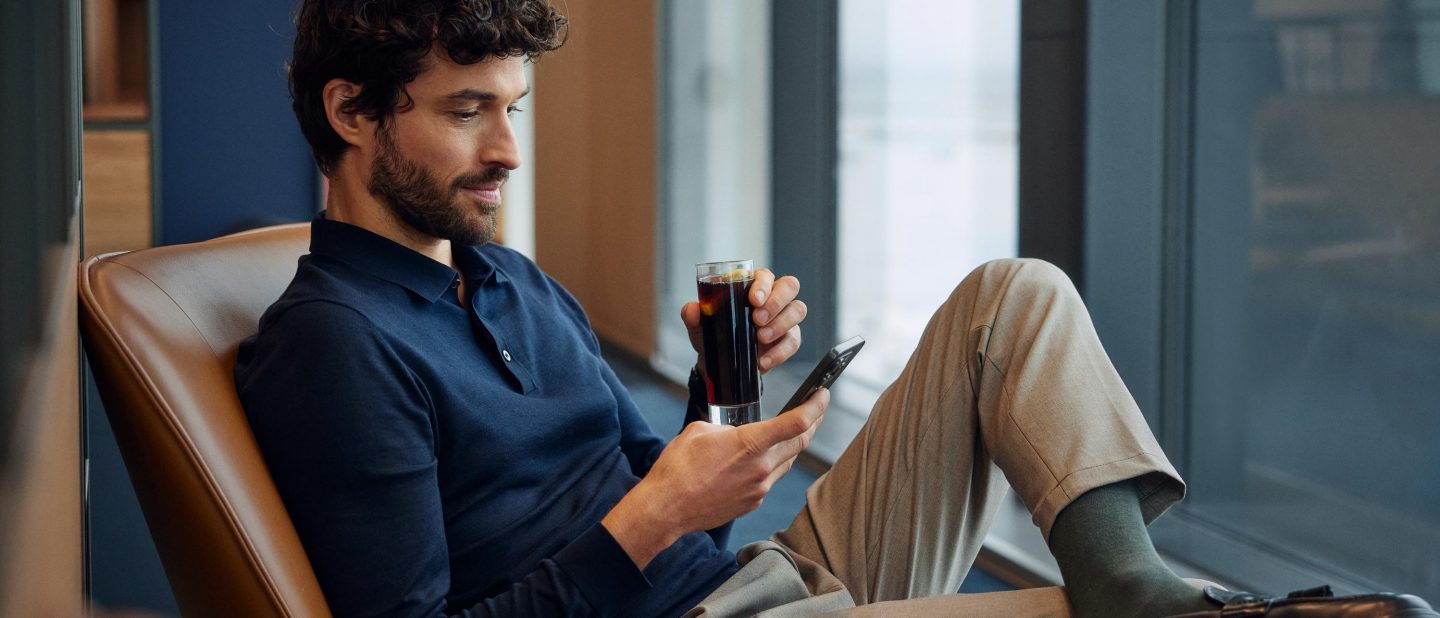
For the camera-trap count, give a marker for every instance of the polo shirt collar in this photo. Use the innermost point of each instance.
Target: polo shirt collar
(476, 267)
(391, 261)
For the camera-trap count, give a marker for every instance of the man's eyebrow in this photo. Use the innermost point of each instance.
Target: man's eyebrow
(471, 94)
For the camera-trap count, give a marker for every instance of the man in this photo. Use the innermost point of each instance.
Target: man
(447, 439)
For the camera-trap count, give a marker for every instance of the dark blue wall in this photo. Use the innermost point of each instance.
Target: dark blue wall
(231, 151)
(230, 155)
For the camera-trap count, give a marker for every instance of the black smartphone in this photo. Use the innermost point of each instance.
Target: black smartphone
(826, 371)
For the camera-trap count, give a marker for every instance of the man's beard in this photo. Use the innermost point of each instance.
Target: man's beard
(417, 198)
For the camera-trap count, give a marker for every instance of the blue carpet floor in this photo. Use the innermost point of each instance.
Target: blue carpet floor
(663, 405)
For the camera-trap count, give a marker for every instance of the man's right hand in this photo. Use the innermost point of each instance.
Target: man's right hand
(709, 475)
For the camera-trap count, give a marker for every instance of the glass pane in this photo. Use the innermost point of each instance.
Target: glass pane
(715, 190)
(1315, 408)
(928, 164)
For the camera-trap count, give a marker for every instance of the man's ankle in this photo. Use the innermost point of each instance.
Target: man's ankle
(1140, 593)
(1109, 563)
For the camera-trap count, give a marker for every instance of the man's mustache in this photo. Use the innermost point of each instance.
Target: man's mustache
(490, 175)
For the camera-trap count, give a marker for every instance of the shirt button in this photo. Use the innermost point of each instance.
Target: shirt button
(454, 283)
(506, 354)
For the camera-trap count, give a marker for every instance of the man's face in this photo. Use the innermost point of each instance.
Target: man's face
(438, 165)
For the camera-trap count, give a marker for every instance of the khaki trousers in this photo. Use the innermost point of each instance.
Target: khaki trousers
(1009, 378)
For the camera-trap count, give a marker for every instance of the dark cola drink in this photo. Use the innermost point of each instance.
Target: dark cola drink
(732, 375)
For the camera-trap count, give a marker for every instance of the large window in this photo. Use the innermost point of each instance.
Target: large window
(1261, 235)
(921, 181)
(894, 164)
(1315, 330)
(927, 168)
(1287, 252)
(714, 154)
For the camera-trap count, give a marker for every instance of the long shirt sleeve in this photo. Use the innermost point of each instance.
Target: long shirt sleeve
(449, 458)
(349, 437)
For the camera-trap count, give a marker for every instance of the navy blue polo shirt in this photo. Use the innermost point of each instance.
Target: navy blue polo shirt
(444, 460)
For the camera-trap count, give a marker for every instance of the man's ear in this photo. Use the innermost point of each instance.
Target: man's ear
(348, 124)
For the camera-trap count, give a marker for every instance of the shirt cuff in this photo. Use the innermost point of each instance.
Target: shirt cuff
(602, 571)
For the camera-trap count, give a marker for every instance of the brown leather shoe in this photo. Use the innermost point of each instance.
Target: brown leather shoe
(1314, 603)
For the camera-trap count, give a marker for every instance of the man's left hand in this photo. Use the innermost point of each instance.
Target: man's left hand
(777, 315)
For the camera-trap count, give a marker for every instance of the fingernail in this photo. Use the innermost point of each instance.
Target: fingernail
(760, 294)
(764, 335)
(761, 316)
(764, 362)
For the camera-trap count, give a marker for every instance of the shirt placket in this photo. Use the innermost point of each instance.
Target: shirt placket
(507, 348)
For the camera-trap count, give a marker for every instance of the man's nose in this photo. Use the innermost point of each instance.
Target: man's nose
(500, 148)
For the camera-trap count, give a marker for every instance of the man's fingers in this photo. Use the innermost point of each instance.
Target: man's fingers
(760, 286)
(788, 434)
(777, 430)
(789, 318)
(790, 424)
(690, 315)
(778, 472)
(782, 292)
(790, 449)
(781, 351)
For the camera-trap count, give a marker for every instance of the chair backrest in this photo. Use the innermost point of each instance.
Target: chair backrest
(161, 329)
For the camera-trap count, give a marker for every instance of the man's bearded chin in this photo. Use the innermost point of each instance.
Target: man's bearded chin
(417, 198)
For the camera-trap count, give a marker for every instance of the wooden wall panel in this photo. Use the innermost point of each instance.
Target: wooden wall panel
(117, 190)
(595, 166)
(102, 75)
(116, 69)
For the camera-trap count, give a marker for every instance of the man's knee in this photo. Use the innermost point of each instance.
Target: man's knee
(1028, 277)
(1026, 280)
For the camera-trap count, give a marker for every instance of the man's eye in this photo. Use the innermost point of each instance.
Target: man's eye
(512, 110)
(466, 116)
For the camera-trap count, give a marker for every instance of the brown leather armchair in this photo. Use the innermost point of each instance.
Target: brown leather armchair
(161, 328)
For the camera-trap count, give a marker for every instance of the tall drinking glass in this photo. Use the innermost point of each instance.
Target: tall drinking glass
(732, 375)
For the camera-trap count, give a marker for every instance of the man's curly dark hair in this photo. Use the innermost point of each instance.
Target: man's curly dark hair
(381, 46)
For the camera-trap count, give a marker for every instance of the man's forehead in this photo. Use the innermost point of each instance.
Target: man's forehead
(491, 78)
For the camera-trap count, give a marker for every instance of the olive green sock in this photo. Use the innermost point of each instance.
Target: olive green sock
(1110, 565)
